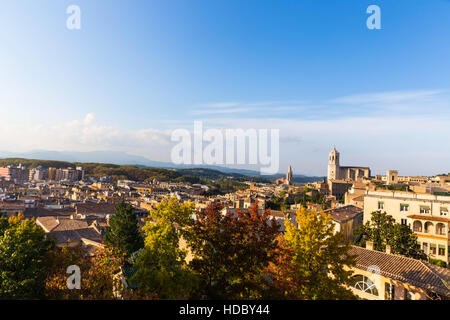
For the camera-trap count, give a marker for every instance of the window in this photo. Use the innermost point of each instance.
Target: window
(444, 211)
(424, 209)
(441, 250)
(364, 284)
(417, 226)
(404, 207)
(433, 248)
(428, 227)
(389, 291)
(404, 222)
(380, 205)
(440, 229)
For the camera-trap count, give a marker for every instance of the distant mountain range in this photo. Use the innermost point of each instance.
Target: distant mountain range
(123, 158)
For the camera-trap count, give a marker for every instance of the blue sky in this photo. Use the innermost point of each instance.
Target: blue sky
(138, 69)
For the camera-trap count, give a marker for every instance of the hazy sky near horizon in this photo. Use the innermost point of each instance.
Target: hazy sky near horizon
(139, 69)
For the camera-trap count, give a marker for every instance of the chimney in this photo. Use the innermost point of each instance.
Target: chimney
(369, 245)
(388, 249)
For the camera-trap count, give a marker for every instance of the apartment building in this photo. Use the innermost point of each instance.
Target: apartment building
(426, 214)
(14, 173)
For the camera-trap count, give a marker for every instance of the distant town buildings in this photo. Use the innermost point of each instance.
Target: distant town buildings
(21, 174)
(288, 179)
(14, 173)
(75, 210)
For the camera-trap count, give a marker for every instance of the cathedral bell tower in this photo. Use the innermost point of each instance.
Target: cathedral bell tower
(289, 176)
(333, 165)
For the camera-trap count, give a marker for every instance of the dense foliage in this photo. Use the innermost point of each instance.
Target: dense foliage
(383, 230)
(319, 259)
(33, 163)
(186, 254)
(22, 258)
(123, 231)
(100, 274)
(231, 252)
(161, 267)
(284, 200)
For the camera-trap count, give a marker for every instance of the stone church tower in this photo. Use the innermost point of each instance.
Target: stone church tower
(289, 176)
(333, 165)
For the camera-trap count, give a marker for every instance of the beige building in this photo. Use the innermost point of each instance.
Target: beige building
(346, 219)
(355, 195)
(426, 214)
(338, 188)
(391, 177)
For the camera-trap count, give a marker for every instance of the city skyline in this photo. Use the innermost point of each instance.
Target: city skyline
(132, 74)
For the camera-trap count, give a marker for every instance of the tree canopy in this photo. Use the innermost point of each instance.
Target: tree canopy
(161, 267)
(22, 258)
(123, 231)
(383, 230)
(231, 252)
(319, 258)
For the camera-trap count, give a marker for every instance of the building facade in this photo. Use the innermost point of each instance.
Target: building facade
(426, 214)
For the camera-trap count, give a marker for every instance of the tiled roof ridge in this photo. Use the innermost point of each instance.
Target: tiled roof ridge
(434, 273)
(388, 254)
(402, 278)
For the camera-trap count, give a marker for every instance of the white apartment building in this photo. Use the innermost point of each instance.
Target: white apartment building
(426, 214)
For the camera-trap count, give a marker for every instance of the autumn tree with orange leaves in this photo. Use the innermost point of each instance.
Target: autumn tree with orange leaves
(101, 274)
(231, 251)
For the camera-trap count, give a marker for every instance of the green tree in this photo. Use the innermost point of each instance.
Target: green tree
(3, 223)
(23, 248)
(231, 252)
(161, 266)
(383, 230)
(123, 231)
(320, 258)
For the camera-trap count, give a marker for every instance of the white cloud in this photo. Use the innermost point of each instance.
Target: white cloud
(260, 107)
(89, 118)
(387, 97)
(370, 104)
(85, 135)
(404, 130)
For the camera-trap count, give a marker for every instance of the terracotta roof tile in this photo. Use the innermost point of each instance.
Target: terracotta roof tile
(95, 208)
(418, 273)
(344, 213)
(431, 218)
